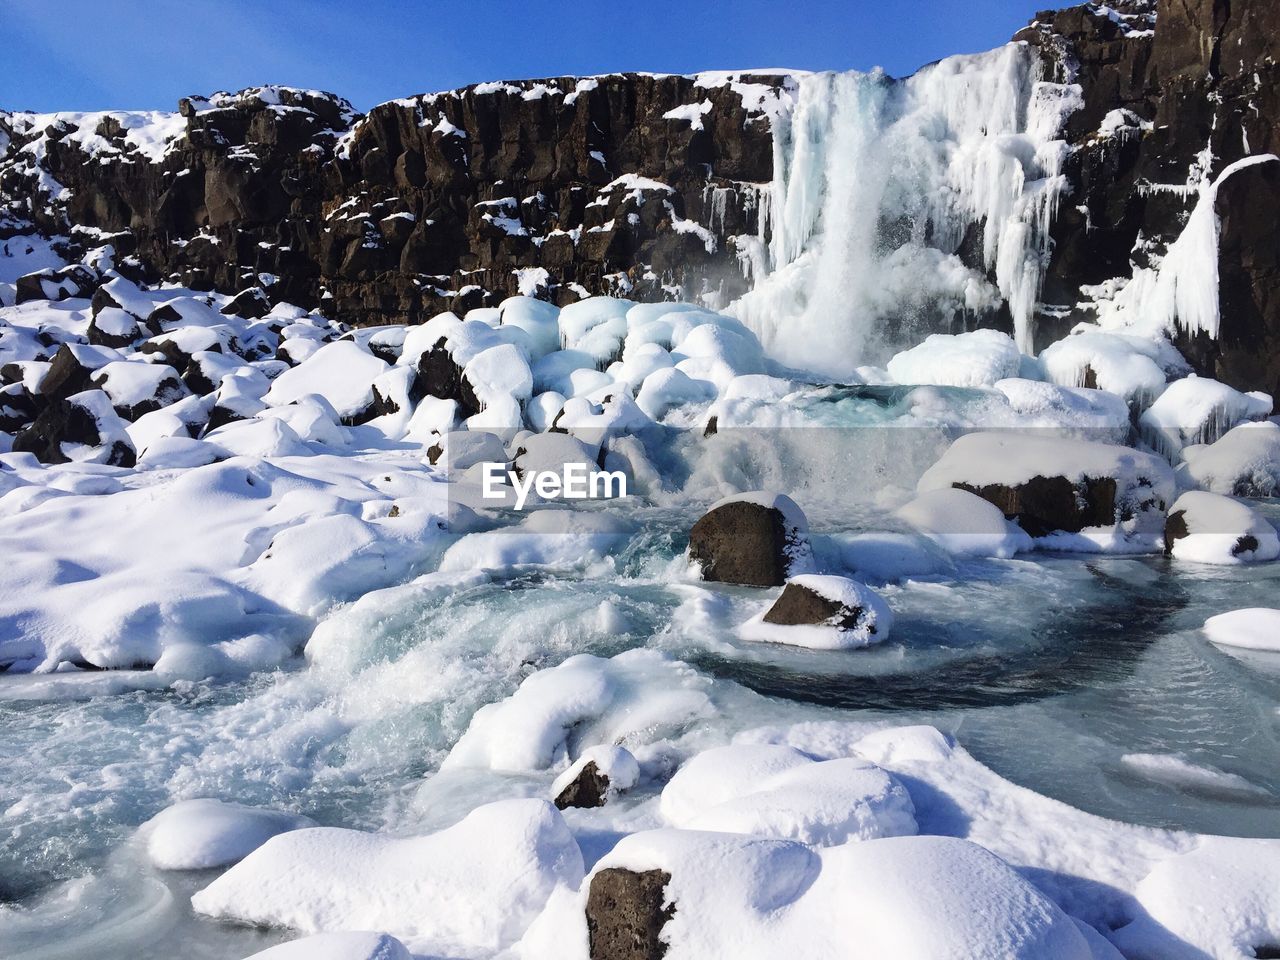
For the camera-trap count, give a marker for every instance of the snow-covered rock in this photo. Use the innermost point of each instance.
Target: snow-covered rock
(976, 359)
(600, 773)
(1244, 463)
(1133, 367)
(342, 372)
(344, 945)
(200, 834)
(1075, 494)
(1210, 528)
(823, 612)
(1197, 410)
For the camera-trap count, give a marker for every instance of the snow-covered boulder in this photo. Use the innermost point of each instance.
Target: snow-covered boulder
(776, 791)
(1210, 528)
(1197, 410)
(600, 773)
(342, 945)
(84, 427)
(1244, 463)
(685, 895)
(342, 372)
(467, 890)
(756, 539)
(537, 318)
(824, 613)
(964, 524)
(1116, 496)
(115, 328)
(1253, 628)
(976, 359)
(201, 834)
(137, 388)
(1132, 367)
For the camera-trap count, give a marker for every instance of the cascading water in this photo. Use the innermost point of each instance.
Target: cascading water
(877, 185)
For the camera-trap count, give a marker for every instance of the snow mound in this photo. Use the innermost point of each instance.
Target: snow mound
(342, 372)
(964, 524)
(200, 834)
(585, 701)
(976, 359)
(776, 791)
(346, 945)
(471, 888)
(1211, 528)
(1254, 628)
(1135, 368)
(1221, 899)
(1244, 463)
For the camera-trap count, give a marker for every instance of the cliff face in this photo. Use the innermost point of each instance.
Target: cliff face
(626, 184)
(649, 187)
(1197, 87)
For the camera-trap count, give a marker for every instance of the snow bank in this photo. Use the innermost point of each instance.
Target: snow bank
(1211, 528)
(964, 524)
(776, 791)
(200, 834)
(471, 888)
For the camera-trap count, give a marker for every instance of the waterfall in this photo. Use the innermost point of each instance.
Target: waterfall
(877, 184)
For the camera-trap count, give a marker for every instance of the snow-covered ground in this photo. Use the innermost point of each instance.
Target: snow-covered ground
(299, 655)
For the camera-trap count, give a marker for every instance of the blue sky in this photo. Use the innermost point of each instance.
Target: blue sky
(99, 54)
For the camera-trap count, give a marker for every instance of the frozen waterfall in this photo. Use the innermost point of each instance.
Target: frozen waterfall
(877, 185)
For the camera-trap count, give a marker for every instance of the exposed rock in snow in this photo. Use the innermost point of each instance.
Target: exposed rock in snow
(1211, 528)
(200, 834)
(758, 539)
(83, 427)
(823, 612)
(599, 773)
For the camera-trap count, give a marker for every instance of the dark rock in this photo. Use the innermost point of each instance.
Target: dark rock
(17, 408)
(440, 376)
(1043, 505)
(252, 304)
(626, 912)
(590, 788)
(745, 543)
(64, 421)
(66, 376)
(60, 284)
(798, 605)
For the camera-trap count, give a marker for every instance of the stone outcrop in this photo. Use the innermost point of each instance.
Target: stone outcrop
(626, 911)
(1200, 86)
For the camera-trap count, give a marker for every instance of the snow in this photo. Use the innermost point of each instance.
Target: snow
(1221, 530)
(1132, 367)
(346, 945)
(776, 791)
(1254, 628)
(977, 359)
(964, 524)
(691, 113)
(201, 834)
(471, 888)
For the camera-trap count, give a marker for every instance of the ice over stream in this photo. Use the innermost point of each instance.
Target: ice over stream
(288, 683)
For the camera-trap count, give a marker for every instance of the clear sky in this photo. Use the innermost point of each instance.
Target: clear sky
(145, 54)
